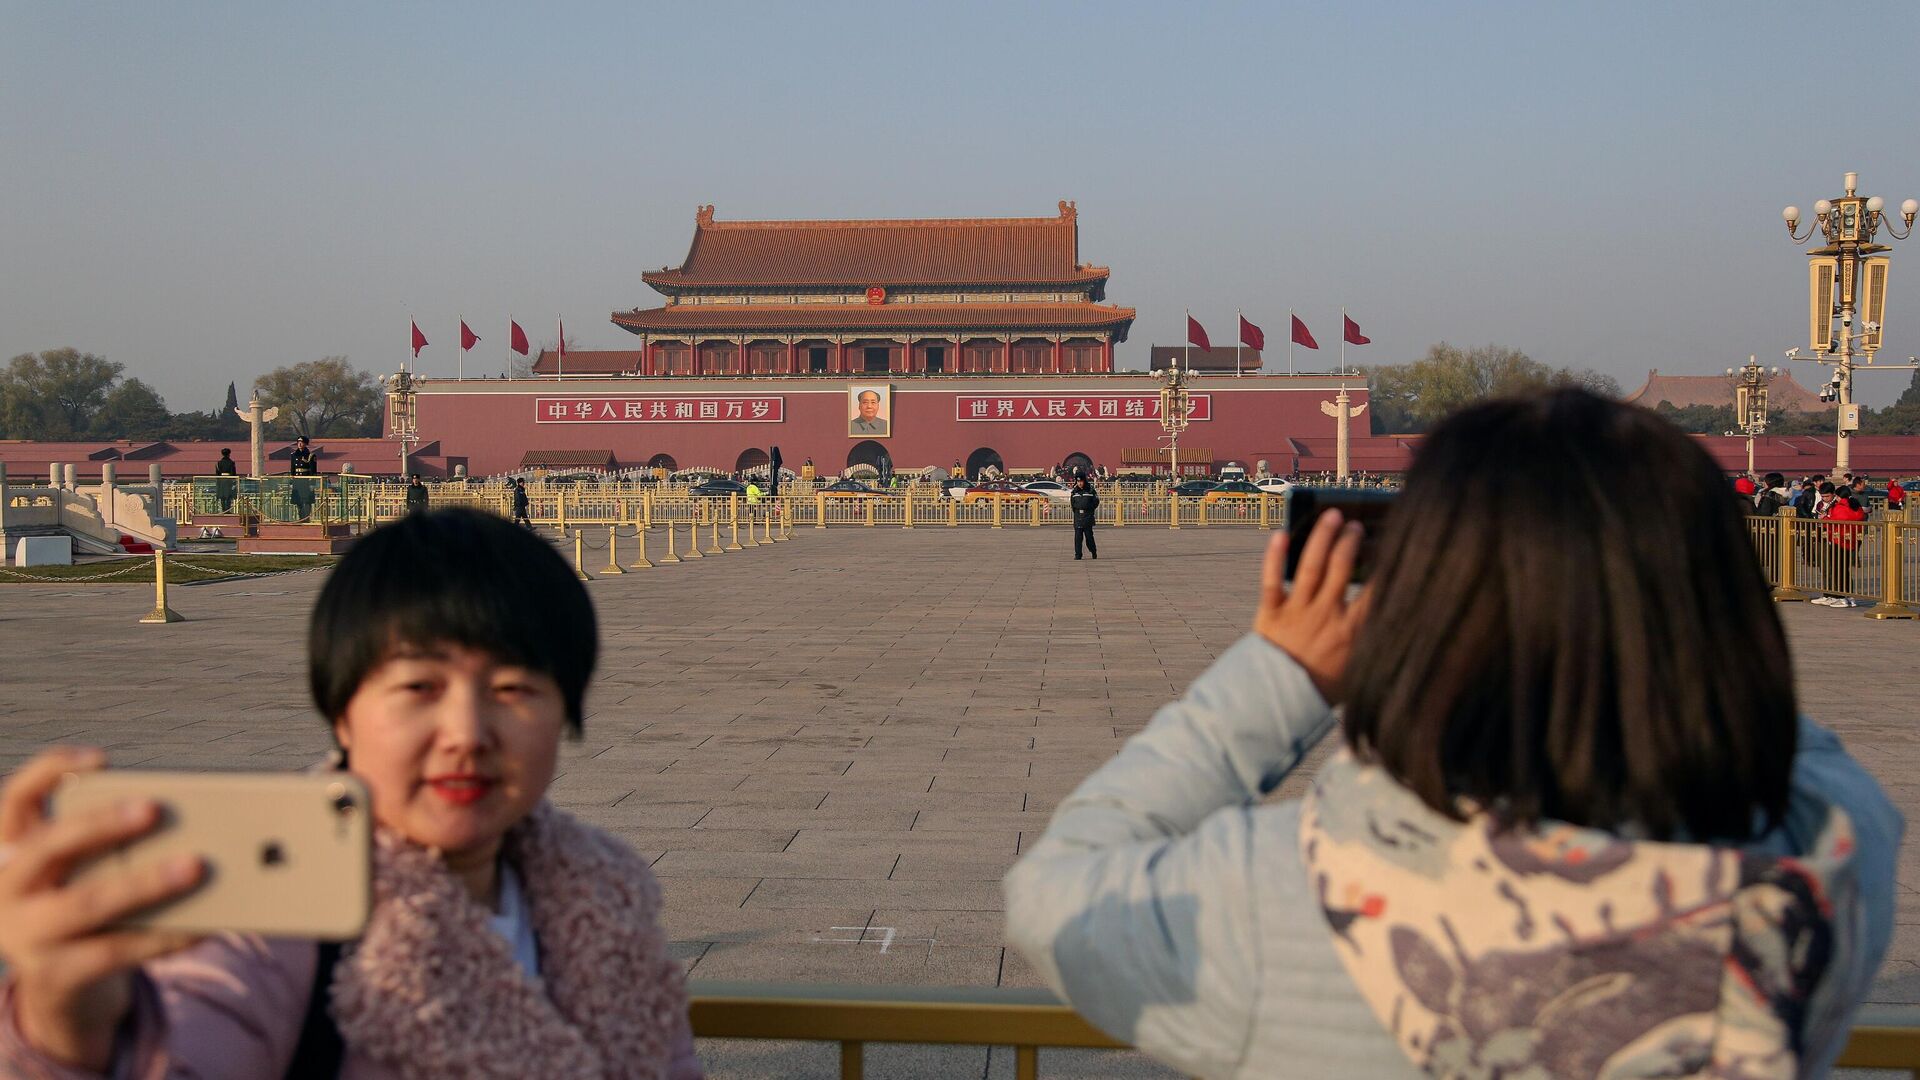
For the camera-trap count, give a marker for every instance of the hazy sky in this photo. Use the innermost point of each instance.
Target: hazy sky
(204, 191)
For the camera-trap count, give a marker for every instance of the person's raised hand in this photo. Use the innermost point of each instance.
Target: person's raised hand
(72, 969)
(1313, 622)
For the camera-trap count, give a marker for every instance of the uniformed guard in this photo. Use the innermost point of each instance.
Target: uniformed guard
(302, 462)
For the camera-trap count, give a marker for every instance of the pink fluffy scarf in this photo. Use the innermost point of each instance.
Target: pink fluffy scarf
(432, 990)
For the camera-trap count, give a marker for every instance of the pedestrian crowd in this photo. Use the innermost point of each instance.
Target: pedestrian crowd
(1843, 504)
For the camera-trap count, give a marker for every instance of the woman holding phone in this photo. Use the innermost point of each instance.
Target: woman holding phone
(449, 652)
(1576, 826)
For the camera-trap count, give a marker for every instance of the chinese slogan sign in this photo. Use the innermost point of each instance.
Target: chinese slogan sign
(1070, 407)
(658, 410)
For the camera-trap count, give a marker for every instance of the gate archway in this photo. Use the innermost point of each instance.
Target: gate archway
(663, 461)
(1076, 463)
(981, 459)
(751, 458)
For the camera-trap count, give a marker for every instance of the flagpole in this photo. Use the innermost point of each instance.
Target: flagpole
(1343, 341)
(460, 364)
(1289, 341)
(1189, 314)
(560, 347)
(1239, 343)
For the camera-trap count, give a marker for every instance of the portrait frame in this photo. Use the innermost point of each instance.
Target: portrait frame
(858, 427)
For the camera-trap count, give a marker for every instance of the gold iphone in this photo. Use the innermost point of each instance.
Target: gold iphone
(287, 854)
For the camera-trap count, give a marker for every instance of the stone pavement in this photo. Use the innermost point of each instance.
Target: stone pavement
(831, 749)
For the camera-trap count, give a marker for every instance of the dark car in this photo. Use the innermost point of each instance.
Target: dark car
(1193, 489)
(719, 488)
(849, 489)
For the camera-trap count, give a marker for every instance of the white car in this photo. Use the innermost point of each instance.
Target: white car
(1052, 489)
(1273, 485)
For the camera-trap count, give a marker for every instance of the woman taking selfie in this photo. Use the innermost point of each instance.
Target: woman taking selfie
(1575, 827)
(449, 651)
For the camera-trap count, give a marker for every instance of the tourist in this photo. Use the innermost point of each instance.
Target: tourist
(449, 652)
(1896, 496)
(1770, 502)
(1743, 485)
(1084, 501)
(520, 502)
(416, 496)
(1575, 827)
(224, 489)
(1844, 536)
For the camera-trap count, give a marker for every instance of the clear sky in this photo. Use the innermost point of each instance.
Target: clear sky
(206, 191)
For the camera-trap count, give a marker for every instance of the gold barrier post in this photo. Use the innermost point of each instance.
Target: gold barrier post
(819, 511)
(909, 509)
(646, 510)
(953, 511)
(579, 557)
(870, 500)
(1890, 606)
(852, 1060)
(1173, 510)
(613, 552)
(1034, 505)
(641, 563)
(785, 532)
(713, 534)
(750, 541)
(997, 500)
(693, 536)
(560, 508)
(669, 557)
(161, 613)
(733, 524)
(1203, 511)
(1119, 512)
(1785, 592)
(1266, 520)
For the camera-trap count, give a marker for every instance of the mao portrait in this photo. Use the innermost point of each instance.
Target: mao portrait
(869, 412)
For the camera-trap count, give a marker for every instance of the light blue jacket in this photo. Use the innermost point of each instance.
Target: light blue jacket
(1171, 908)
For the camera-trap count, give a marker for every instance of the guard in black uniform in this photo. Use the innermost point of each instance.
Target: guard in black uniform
(416, 496)
(1084, 502)
(224, 489)
(303, 463)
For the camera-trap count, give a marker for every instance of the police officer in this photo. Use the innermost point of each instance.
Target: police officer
(224, 489)
(302, 462)
(520, 503)
(1084, 502)
(416, 496)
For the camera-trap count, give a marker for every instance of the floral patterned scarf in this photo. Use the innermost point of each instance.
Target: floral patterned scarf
(1569, 952)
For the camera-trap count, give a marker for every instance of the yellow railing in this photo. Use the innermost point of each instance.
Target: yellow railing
(1032, 1020)
(1875, 563)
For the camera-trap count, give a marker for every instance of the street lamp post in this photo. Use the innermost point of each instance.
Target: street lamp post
(1750, 401)
(402, 414)
(1176, 408)
(1847, 277)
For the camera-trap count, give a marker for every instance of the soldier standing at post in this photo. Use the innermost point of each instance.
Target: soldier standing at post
(1084, 502)
(224, 488)
(302, 463)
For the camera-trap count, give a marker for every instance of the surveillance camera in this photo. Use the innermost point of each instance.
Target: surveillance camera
(1846, 318)
(1836, 378)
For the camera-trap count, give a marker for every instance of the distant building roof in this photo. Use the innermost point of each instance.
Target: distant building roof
(1215, 359)
(567, 459)
(936, 251)
(1716, 391)
(588, 362)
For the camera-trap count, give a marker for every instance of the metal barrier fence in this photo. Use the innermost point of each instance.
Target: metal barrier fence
(341, 498)
(1867, 563)
(1032, 1020)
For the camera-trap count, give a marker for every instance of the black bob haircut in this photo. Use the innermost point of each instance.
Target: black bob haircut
(458, 577)
(1545, 647)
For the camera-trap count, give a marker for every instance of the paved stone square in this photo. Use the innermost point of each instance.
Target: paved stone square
(831, 749)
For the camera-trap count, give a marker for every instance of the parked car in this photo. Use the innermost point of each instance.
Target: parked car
(849, 489)
(719, 488)
(999, 489)
(1231, 489)
(1193, 489)
(1052, 489)
(1273, 485)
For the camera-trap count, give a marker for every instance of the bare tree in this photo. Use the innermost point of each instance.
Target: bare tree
(316, 397)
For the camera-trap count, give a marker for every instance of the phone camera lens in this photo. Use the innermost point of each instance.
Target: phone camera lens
(272, 854)
(341, 798)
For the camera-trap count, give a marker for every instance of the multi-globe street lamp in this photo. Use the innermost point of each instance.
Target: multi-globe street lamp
(1750, 402)
(1847, 277)
(1176, 406)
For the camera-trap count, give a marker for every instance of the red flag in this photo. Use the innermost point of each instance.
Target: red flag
(1250, 335)
(1354, 336)
(419, 341)
(1197, 334)
(1302, 336)
(468, 339)
(516, 338)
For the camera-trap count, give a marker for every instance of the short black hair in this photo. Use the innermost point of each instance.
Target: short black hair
(1775, 480)
(455, 576)
(1543, 648)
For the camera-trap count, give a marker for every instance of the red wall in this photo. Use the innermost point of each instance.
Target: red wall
(493, 423)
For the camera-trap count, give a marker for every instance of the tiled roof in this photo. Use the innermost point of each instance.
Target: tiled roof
(770, 319)
(938, 251)
(1681, 391)
(588, 362)
(1218, 358)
